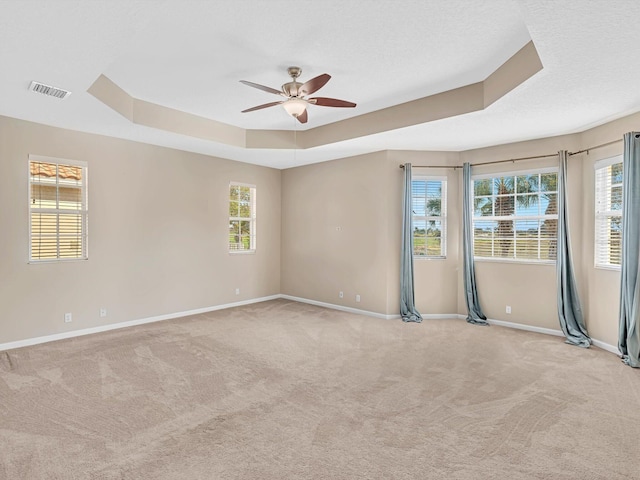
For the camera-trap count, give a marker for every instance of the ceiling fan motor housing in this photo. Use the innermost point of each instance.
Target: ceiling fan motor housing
(291, 88)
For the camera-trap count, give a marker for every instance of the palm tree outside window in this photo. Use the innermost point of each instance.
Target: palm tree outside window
(429, 209)
(515, 216)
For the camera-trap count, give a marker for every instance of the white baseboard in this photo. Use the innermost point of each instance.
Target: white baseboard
(607, 347)
(528, 328)
(520, 326)
(546, 331)
(114, 326)
(131, 323)
(333, 306)
(339, 307)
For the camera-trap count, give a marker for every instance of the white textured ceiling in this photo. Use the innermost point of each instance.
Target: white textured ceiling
(189, 55)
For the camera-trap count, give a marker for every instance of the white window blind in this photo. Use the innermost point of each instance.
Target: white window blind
(515, 216)
(608, 216)
(429, 216)
(242, 218)
(57, 209)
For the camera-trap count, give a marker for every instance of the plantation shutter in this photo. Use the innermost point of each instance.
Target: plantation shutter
(242, 217)
(484, 229)
(429, 216)
(515, 216)
(608, 208)
(58, 209)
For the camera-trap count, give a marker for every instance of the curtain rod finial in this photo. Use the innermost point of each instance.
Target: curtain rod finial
(401, 166)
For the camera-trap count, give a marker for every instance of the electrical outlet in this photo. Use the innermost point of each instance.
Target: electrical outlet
(67, 318)
(508, 309)
(237, 291)
(357, 298)
(103, 312)
(341, 294)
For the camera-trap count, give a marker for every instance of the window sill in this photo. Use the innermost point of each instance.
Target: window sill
(242, 252)
(423, 257)
(514, 261)
(612, 268)
(56, 260)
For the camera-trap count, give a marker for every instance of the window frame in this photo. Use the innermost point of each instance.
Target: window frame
(426, 218)
(513, 217)
(252, 219)
(83, 212)
(598, 217)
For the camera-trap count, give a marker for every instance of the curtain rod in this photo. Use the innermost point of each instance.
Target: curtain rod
(597, 146)
(483, 163)
(433, 166)
(518, 159)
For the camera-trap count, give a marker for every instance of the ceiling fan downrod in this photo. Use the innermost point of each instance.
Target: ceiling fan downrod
(292, 88)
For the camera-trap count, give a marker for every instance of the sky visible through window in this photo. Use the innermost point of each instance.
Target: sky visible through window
(515, 196)
(427, 190)
(428, 217)
(515, 216)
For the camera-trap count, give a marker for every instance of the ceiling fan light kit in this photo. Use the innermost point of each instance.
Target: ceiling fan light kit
(295, 93)
(295, 106)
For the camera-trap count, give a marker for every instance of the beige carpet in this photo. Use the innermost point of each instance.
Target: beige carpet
(282, 390)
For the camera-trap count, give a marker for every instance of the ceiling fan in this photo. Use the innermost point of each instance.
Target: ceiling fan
(295, 94)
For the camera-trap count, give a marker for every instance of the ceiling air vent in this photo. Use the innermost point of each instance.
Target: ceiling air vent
(49, 90)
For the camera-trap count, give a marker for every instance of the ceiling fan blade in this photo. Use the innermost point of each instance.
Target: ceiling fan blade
(260, 107)
(262, 87)
(314, 84)
(331, 102)
(302, 118)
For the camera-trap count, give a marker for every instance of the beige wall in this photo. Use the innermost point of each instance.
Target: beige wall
(335, 225)
(529, 289)
(435, 280)
(322, 229)
(602, 286)
(158, 234)
(375, 200)
(362, 197)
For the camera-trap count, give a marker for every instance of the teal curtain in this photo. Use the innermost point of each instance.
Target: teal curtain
(475, 314)
(569, 309)
(628, 331)
(408, 310)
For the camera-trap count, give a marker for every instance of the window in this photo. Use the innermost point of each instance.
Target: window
(242, 218)
(515, 216)
(58, 209)
(608, 234)
(429, 216)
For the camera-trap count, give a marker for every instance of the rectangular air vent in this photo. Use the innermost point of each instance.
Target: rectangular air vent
(48, 90)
